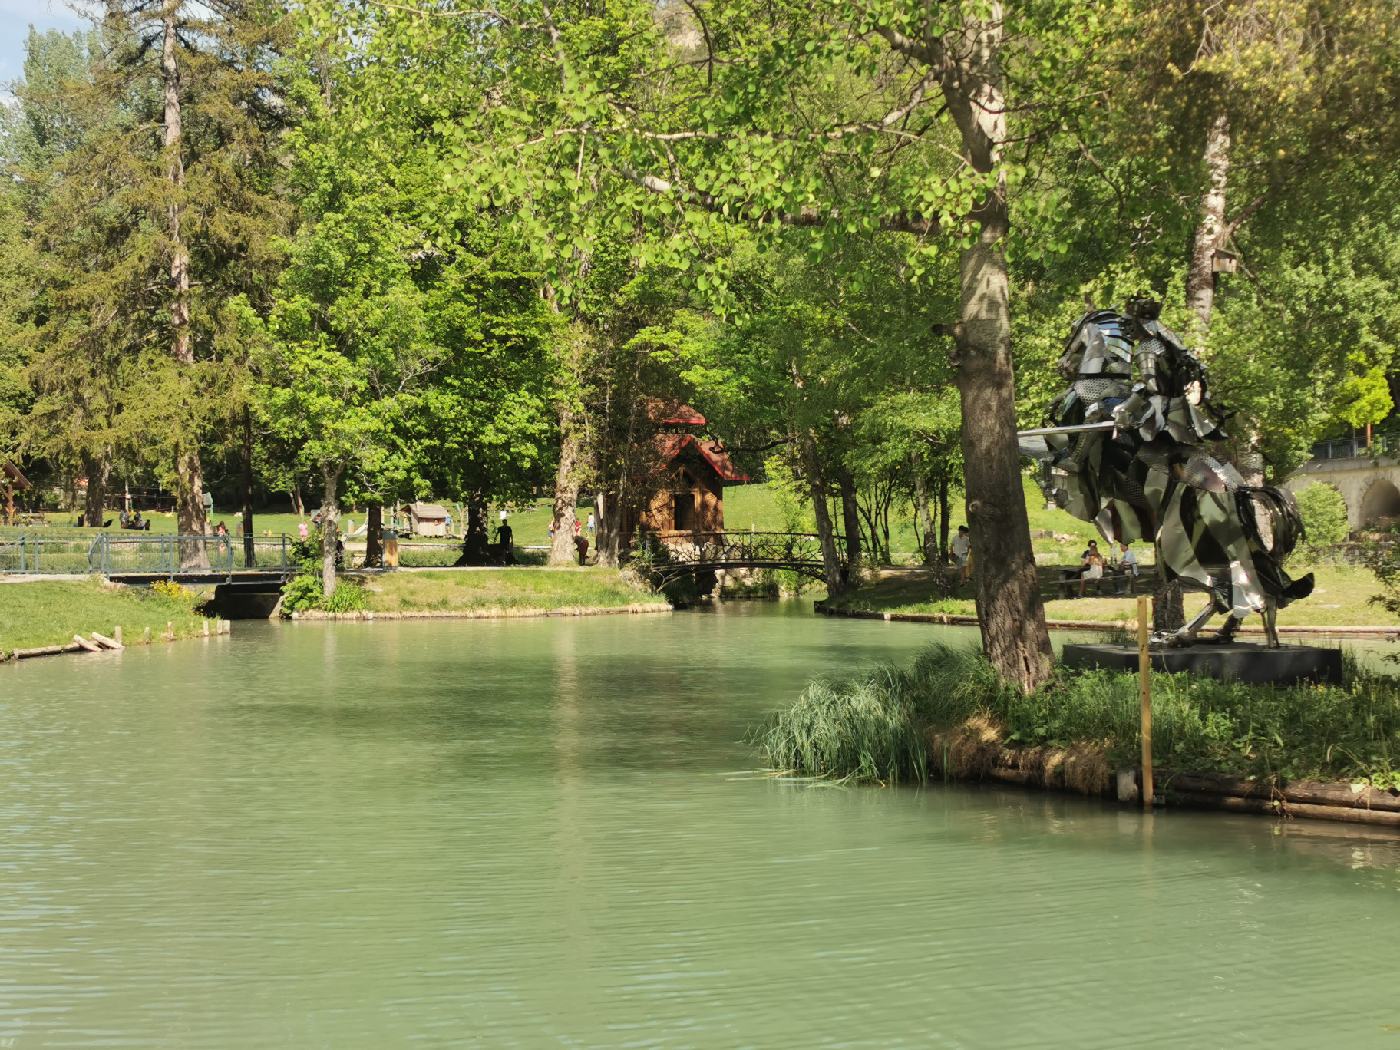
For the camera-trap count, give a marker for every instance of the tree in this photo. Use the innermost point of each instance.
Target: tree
(778, 114)
(202, 85)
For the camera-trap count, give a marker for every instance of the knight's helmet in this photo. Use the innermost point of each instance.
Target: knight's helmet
(1098, 352)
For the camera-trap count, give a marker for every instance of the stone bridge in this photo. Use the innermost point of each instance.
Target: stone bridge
(1368, 477)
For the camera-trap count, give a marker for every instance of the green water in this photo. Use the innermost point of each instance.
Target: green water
(540, 834)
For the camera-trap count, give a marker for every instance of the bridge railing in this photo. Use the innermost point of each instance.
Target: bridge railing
(36, 551)
(147, 554)
(55, 552)
(733, 548)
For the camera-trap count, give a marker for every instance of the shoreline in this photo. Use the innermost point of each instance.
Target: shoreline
(98, 643)
(493, 613)
(957, 620)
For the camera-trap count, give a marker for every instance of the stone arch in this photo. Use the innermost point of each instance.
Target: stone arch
(1381, 500)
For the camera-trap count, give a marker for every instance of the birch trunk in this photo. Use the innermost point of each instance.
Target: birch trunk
(1200, 271)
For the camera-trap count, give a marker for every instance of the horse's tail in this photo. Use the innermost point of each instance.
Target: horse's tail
(1274, 528)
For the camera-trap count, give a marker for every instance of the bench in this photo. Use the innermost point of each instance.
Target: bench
(1112, 582)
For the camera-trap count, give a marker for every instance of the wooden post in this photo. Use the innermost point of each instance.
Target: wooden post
(117, 633)
(1144, 611)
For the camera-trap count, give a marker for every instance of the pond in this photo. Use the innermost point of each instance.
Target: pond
(550, 833)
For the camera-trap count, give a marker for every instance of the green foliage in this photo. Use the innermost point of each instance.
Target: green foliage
(875, 727)
(303, 591)
(1382, 557)
(1324, 514)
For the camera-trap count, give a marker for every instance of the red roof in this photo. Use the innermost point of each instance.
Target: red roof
(670, 446)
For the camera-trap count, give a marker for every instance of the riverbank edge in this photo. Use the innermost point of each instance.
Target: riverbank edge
(955, 620)
(212, 628)
(494, 613)
(1054, 769)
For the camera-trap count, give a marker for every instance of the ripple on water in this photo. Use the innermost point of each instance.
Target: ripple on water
(531, 834)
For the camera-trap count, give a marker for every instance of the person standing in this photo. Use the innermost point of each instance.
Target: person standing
(962, 553)
(592, 523)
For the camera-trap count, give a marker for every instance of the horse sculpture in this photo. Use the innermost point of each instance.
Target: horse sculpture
(1123, 448)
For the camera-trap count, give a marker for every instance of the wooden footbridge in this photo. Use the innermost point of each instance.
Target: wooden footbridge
(673, 555)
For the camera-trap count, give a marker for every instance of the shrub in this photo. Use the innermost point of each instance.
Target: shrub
(172, 590)
(348, 597)
(876, 727)
(1324, 515)
(301, 592)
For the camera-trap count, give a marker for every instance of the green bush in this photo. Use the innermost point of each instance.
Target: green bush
(348, 597)
(875, 727)
(1324, 515)
(303, 591)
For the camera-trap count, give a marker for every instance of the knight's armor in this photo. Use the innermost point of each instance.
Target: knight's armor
(1149, 475)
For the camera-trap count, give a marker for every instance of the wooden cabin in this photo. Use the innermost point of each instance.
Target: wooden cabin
(427, 519)
(688, 478)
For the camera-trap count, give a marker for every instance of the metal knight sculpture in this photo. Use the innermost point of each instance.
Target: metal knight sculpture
(1124, 447)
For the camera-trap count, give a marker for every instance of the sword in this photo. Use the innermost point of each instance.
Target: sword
(1077, 428)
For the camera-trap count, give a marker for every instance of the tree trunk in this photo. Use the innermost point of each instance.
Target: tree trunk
(297, 504)
(923, 516)
(1200, 272)
(821, 510)
(97, 470)
(476, 539)
(1168, 608)
(189, 474)
(850, 518)
(330, 531)
(374, 537)
(249, 554)
(1010, 609)
(562, 550)
(608, 515)
(944, 520)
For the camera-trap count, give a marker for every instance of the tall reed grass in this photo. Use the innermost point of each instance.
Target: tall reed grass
(878, 727)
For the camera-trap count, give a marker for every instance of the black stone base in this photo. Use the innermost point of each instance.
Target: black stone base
(1241, 661)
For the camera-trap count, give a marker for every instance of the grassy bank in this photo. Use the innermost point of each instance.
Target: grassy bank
(948, 715)
(51, 612)
(514, 590)
(1341, 598)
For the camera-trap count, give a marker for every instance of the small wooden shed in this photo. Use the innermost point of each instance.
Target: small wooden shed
(689, 475)
(427, 519)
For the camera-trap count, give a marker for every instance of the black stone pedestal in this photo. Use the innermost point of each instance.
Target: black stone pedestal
(1240, 661)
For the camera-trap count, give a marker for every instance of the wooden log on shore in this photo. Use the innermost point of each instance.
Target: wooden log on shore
(105, 642)
(44, 650)
(86, 645)
(1297, 792)
(1283, 808)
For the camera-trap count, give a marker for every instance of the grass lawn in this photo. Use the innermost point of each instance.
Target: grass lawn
(512, 589)
(51, 612)
(1340, 599)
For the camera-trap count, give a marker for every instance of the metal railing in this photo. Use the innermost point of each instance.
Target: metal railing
(54, 552)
